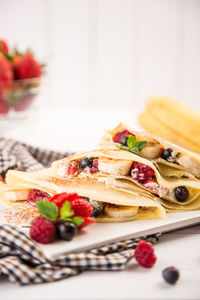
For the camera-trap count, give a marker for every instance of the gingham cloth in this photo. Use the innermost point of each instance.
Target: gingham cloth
(22, 261)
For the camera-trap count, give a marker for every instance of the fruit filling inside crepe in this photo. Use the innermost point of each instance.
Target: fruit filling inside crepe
(152, 147)
(109, 204)
(110, 166)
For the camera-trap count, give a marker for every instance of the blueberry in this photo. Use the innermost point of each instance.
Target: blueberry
(90, 162)
(166, 154)
(97, 208)
(123, 140)
(181, 193)
(84, 163)
(171, 275)
(67, 231)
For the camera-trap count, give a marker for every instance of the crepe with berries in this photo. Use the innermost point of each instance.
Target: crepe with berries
(161, 152)
(117, 204)
(124, 169)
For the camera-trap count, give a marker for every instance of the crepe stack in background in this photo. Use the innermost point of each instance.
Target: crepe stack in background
(172, 121)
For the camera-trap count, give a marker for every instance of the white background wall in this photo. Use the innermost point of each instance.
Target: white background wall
(110, 52)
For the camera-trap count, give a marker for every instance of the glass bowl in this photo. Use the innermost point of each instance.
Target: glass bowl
(18, 98)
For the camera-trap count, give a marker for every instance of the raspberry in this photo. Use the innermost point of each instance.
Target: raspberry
(87, 222)
(36, 195)
(81, 207)
(60, 199)
(119, 135)
(73, 168)
(141, 172)
(144, 254)
(42, 230)
(94, 167)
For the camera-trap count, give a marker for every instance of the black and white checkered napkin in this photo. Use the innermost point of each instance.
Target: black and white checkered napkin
(24, 263)
(22, 260)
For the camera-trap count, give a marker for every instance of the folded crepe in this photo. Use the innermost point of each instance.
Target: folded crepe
(176, 188)
(161, 152)
(120, 205)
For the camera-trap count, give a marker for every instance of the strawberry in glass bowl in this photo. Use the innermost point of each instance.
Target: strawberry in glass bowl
(20, 81)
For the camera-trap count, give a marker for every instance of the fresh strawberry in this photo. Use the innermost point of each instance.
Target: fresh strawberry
(28, 67)
(3, 46)
(1, 178)
(60, 199)
(4, 108)
(87, 222)
(16, 60)
(6, 72)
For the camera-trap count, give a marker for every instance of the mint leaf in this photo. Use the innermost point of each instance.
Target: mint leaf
(120, 147)
(141, 144)
(47, 209)
(131, 141)
(77, 221)
(134, 150)
(66, 211)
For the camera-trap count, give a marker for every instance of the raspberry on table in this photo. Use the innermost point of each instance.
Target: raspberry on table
(87, 222)
(42, 230)
(141, 172)
(37, 195)
(60, 199)
(81, 207)
(144, 254)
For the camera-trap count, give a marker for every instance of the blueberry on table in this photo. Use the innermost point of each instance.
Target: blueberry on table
(123, 140)
(97, 208)
(181, 193)
(171, 275)
(67, 231)
(166, 154)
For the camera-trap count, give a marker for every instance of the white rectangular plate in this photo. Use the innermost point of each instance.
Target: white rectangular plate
(101, 234)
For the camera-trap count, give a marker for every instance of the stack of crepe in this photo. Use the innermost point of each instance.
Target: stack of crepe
(173, 121)
(113, 181)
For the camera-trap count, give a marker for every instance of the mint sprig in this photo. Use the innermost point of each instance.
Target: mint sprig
(49, 210)
(133, 145)
(66, 211)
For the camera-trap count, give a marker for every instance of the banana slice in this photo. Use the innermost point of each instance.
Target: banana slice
(16, 195)
(118, 211)
(189, 164)
(151, 150)
(115, 167)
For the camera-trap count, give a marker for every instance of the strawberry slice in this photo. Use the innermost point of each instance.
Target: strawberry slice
(1, 179)
(87, 222)
(60, 199)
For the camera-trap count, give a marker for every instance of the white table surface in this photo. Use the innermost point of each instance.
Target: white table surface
(81, 130)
